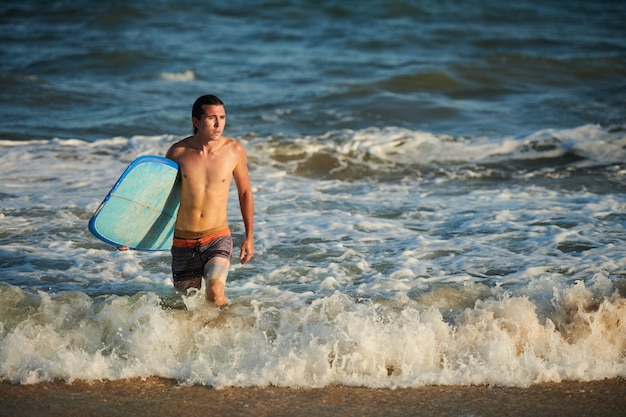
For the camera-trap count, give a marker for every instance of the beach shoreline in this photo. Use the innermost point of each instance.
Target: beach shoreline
(162, 397)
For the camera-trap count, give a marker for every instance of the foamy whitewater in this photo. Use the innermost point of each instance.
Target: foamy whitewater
(385, 258)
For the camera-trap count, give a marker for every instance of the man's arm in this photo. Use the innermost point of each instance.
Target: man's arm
(246, 204)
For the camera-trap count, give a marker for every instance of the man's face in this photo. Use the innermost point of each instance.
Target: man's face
(212, 122)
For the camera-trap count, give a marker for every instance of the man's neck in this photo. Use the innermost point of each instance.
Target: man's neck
(208, 144)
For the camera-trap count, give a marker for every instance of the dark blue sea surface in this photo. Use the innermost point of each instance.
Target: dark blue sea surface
(92, 69)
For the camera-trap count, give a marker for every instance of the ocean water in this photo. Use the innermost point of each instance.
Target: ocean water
(440, 191)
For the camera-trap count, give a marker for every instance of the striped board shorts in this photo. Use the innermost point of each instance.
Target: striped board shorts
(189, 256)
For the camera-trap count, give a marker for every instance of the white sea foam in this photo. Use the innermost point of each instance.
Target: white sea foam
(184, 76)
(500, 340)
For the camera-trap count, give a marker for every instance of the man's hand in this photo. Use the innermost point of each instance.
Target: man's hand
(247, 250)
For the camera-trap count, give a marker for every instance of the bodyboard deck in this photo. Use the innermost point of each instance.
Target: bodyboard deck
(140, 210)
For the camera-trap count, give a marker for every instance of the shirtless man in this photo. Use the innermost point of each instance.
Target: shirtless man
(207, 162)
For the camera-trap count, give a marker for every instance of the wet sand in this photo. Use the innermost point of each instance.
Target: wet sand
(160, 397)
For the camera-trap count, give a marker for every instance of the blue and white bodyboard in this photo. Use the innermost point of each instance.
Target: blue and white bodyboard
(140, 210)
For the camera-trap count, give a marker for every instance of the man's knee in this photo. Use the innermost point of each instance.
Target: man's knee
(215, 286)
(215, 292)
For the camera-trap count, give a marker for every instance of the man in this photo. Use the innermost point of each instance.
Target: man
(207, 162)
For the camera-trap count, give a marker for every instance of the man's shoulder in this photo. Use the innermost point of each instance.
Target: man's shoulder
(235, 145)
(183, 143)
(178, 147)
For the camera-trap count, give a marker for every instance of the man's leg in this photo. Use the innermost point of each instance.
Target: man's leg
(184, 267)
(215, 273)
(189, 283)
